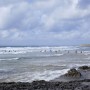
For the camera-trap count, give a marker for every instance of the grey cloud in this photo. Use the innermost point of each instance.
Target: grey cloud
(7, 2)
(44, 20)
(84, 4)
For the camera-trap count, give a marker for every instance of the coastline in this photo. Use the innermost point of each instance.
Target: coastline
(68, 58)
(43, 85)
(74, 79)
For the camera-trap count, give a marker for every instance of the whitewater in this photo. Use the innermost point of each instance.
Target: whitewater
(26, 64)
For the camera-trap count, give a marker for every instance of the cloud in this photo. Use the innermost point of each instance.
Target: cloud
(4, 34)
(84, 4)
(44, 21)
(4, 14)
(12, 34)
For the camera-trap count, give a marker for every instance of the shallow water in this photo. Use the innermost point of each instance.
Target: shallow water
(26, 64)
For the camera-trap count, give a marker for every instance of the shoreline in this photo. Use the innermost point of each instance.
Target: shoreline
(74, 79)
(43, 85)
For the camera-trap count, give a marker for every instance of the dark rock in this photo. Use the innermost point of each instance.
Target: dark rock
(43, 85)
(84, 68)
(82, 87)
(73, 73)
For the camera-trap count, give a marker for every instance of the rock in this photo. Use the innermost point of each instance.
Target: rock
(44, 85)
(84, 68)
(82, 87)
(73, 73)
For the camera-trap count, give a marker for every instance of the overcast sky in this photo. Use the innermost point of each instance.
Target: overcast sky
(44, 22)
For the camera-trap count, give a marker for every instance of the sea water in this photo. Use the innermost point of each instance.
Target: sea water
(27, 64)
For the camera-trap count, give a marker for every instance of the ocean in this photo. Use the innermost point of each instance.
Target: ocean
(27, 64)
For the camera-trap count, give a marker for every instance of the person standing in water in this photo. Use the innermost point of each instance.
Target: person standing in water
(76, 51)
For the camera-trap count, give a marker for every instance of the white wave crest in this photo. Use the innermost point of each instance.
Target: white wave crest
(9, 59)
(22, 50)
(46, 75)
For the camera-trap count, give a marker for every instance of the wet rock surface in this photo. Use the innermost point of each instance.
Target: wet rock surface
(71, 83)
(73, 73)
(84, 68)
(43, 85)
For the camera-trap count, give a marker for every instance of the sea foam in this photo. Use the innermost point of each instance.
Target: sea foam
(32, 76)
(22, 50)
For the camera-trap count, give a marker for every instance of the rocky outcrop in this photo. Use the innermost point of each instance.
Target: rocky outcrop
(43, 85)
(73, 73)
(85, 45)
(84, 68)
(77, 84)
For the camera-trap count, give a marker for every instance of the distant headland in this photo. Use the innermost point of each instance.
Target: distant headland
(85, 45)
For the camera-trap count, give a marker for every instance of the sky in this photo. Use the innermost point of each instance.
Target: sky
(44, 22)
